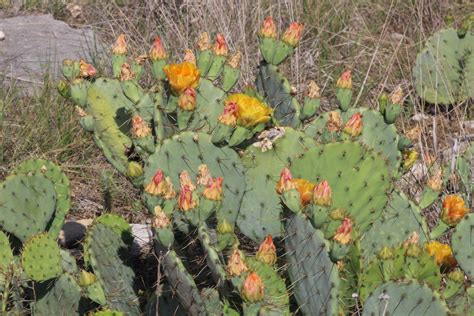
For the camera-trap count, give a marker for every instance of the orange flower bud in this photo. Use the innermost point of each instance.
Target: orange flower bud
(229, 117)
(345, 81)
(354, 126)
(139, 127)
(293, 34)
(187, 100)
(343, 233)
(126, 72)
(334, 122)
(157, 51)
(203, 42)
(268, 28)
(86, 70)
(236, 265)
(322, 194)
(454, 209)
(285, 183)
(213, 191)
(204, 176)
(186, 201)
(305, 188)
(120, 45)
(442, 253)
(252, 288)
(220, 46)
(267, 251)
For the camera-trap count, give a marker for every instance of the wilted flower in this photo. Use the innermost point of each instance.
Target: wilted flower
(397, 96)
(454, 209)
(441, 252)
(86, 70)
(80, 111)
(435, 182)
(354, 126)
(285, 183)
(345, 81)
(189, 56)
(203, 42)
(305, 188)
(204, 176)
(187, 100)
(313, 90)
(186, 200)
(139, 127)
(161, 220)
(250, 111)
(252, 288)
(293, 34)
(322, 194)
(236, 265)
(155, 186)
(334, 122)
(267, 251)
(213, 191)
(168, 190)
(343, 233)
(268, 28)
(220, 46)
(185, 180)
(157, 51)
(126, 72)
(234, 60)
(229, 117)
(182, 76)
(120, 45)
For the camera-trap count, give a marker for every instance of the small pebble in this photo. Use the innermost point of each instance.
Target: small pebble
(2, 36)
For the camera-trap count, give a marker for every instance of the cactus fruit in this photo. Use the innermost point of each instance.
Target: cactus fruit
(61, 184)
(41, 258)
(27, 205)
(107, 256)
(400, 299)
(463, 245)
(314, 277)
(444, 71)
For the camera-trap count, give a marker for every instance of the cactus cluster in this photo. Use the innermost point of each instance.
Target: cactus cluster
(234, 169)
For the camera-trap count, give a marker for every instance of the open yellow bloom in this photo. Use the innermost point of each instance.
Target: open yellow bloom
(182, 76)
(441, 252)
(250, 110)
(454, 209)
(305, 188)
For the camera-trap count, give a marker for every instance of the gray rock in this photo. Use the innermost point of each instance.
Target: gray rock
(34, 46)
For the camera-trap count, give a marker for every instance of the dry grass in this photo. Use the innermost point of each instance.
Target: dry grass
(378, 40)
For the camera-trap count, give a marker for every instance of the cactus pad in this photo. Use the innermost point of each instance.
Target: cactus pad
(313, 275)
(6, 254)
(462, 242)
(260, 211)
(358, 177)
(118, 224)
(444, 70)
(400, 219)
(61, 183)
(106, 252)
(27, 204)
(41, 258)
(187, 151)
(401, 299)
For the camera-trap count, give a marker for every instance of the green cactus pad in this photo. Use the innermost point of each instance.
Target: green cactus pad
(464, 169)
(399, 220)
(41, 258)
(210, 104)
(68, 262)
(444, 70)
(402, 299)
(377, 134)
(277, 92)
(118, 224)
(462, 242)
(358, 177)
(187, 151)
(107, 254)
(260, 211)
(108, 312)
(314, 277)
(27, 204)
(62, 299)
(6, 254)
(61, 183)
(108, 105)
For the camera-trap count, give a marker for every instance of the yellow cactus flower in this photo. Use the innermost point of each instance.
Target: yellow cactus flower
(236, 265)
(182, 76)
(268, 28)
(157, 51)
(343, 232)
(120, 45)
(305, 188)
(250, 110)
(345, 81)
(285, 183)
(442, 253)
(293, 34)
(322, 194)
(253, 289)
(267, 251)
(213, 191)
(454, 209)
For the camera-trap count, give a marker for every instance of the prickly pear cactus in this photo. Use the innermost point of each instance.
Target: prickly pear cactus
(313, 275)
(404, 299)
(444, 70)
(27, 205)
(41, 258)
(463, 244)
(6, 254)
